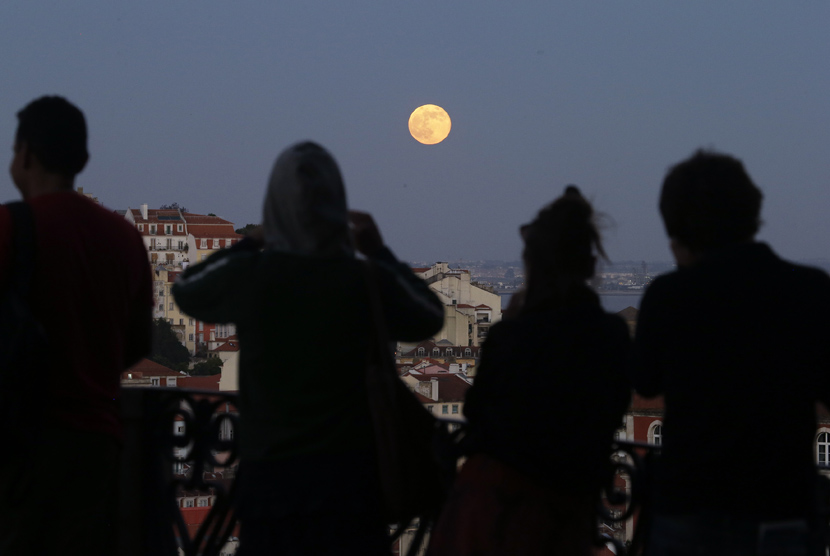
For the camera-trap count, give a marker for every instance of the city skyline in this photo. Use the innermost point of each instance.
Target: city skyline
(193, 105)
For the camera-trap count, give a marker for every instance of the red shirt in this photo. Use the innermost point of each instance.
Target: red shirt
(92, 291)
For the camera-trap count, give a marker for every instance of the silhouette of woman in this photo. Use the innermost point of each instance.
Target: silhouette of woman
(549, 394)
(308, 479)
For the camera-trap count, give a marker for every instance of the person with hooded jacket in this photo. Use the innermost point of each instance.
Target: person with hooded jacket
(308, 479)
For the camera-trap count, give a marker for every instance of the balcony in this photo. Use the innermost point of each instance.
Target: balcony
(180, 458)
(189, 512)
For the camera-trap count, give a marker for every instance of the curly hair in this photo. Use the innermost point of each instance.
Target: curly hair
(709, 201)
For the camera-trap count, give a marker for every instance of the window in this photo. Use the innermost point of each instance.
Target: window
(203, 244)
(188, 502)
(823, 449)
(655, 433)
(155, 381)
(431, 408)
(455, 409)
(170, 320)
(215, 243)
(436, 352)
(421, 352)
(141, 227)
(228, 242)
(171, 308)
(168, 229)
(190, 322)
(179, 228)
(468, 352)
(152, 229)
(191, 337)
(203, 502)
(449, 352)
(181, 321)
(444, 409)
(201, 326)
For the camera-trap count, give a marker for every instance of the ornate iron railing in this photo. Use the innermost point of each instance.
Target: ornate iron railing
(167, 428)
(193, 432)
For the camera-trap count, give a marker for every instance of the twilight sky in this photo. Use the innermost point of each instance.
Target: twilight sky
(191, 102)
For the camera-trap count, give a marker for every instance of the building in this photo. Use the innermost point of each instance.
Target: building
(439, 389)
(176, 238)
(469, 310)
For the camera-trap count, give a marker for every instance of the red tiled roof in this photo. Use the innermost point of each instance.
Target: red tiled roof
(451, 387)
(423, 399)
(436, 369)
(222, 231)
(420, 270)
(483, 306)
(464, 306)
(153, 216)
(145, 367)
(197, 219)
(210, 382)
(230, 345)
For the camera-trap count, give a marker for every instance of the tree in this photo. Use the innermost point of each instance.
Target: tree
(173, 206)
(166, 349)
(247, 229)
(213, 366)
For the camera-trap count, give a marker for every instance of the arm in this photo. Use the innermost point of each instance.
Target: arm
(412, 311)
(647, 365)
(209, 290)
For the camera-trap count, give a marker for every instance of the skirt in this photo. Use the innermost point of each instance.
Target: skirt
(495, 510)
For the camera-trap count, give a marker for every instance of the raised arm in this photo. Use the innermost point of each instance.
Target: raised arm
(413, 312)
(209, 290)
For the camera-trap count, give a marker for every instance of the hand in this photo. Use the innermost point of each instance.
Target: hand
(365, 233)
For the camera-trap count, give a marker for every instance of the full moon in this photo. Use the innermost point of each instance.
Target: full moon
(429, 124)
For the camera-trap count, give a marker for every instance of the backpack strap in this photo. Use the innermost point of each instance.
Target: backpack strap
(23, 247)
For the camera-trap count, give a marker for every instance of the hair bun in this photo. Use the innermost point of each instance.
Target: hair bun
(572, 191)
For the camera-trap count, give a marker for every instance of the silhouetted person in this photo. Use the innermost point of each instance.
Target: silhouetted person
(308, 480)
(736, 340)
(92, 292)
(549, 394)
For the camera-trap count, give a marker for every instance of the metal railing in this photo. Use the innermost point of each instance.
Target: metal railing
(167, 427)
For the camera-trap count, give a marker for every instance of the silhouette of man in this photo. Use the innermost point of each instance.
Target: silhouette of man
(736, 339)
(92, 293)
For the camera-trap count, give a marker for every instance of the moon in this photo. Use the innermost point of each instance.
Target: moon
(429, 124)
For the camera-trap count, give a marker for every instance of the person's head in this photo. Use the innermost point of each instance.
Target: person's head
(561, 242)
(305, 205)
(709, 201)
(51, 136)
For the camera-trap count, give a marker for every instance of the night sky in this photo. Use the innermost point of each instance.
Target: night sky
(191, 102)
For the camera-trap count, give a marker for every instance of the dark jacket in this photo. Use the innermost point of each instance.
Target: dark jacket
(738, 345)
(550, 392)
(304, 328)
